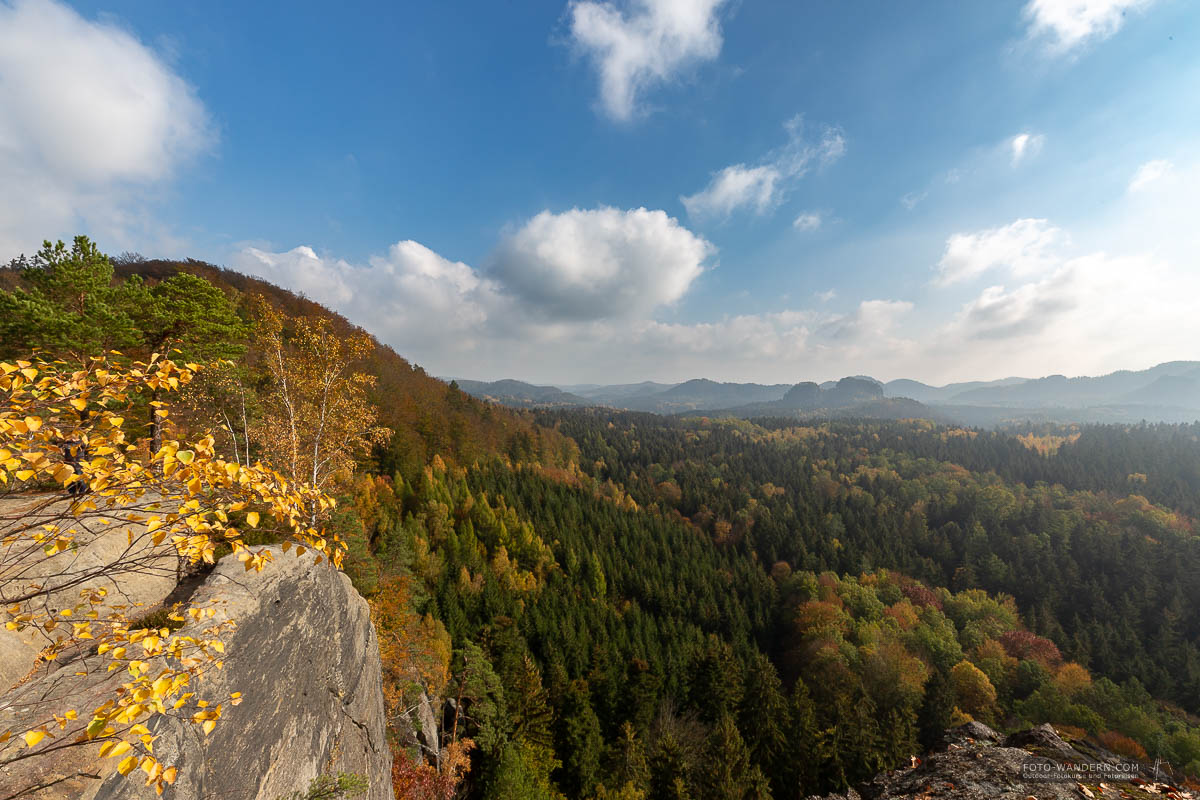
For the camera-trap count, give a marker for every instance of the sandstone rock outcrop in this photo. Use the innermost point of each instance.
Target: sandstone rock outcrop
(148, 574)
(304, 656)
(976, 763)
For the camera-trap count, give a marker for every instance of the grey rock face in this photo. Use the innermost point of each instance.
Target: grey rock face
(974, 764)
(969, 733)
(88, 565)
(304, 656)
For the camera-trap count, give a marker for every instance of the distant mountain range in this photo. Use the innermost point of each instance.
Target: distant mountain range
(1167, 392)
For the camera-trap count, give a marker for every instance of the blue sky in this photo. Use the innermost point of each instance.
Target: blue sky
(618, 190)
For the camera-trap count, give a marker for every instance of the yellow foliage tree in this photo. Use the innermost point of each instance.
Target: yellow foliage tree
(72, 478)
(318, 419)
(1071, 679)
(973, 690)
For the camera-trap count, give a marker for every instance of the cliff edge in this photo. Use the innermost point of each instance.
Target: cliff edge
(305, 658)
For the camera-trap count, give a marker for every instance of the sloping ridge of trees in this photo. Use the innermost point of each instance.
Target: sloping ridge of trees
(427, 417)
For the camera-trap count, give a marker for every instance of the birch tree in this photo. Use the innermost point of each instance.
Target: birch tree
(317, 418)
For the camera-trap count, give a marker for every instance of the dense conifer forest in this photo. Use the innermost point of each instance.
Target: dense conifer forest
(729, 608)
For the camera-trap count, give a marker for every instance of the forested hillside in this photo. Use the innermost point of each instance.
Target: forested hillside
(599, 604)
(102, 305)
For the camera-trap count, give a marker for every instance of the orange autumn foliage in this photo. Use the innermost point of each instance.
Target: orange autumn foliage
(1122, 745)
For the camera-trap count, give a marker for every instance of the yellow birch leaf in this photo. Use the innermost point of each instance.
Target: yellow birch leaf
(114, 749)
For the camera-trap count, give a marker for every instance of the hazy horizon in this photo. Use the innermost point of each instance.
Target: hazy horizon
(567, 386)
(611, 191)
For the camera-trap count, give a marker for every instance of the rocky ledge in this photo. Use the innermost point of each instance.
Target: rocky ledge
(304, 657)
(974, 762)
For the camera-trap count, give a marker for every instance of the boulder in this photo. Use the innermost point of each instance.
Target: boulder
(970, 733)
(1044, 741)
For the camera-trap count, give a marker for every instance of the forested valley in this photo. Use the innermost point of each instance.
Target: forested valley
(601, 604)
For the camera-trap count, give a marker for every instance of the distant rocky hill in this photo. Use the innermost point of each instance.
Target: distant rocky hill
(974, 762)
(1116, 388)
(924, 393)
(518, 394)
(702, 393)
(616, 394)
(660, 398)
(849, 397)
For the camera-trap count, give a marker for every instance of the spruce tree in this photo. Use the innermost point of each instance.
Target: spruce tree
(764, 715)
(726, 770)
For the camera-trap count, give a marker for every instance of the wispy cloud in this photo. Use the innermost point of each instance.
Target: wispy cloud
(1069, 24)
(763, 186)
(808, 221)
(648, 44)
(1151, 173)
(1025, 146)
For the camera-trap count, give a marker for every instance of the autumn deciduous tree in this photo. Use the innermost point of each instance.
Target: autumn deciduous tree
(74, 481)
(414, 650)
(975, 693)
(1072, 679)
(318, 418)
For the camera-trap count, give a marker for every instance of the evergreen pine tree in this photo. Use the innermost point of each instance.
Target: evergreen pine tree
(726, 772)
(937, 707)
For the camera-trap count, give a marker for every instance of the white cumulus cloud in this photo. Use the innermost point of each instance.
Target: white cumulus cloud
(409, 295)
(555, 276)
(603, 296)
(643, 44)
(1068, 24)
(763, 186)
(1075, 309)
(91, 120)
(600, 263)
(871, 322)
